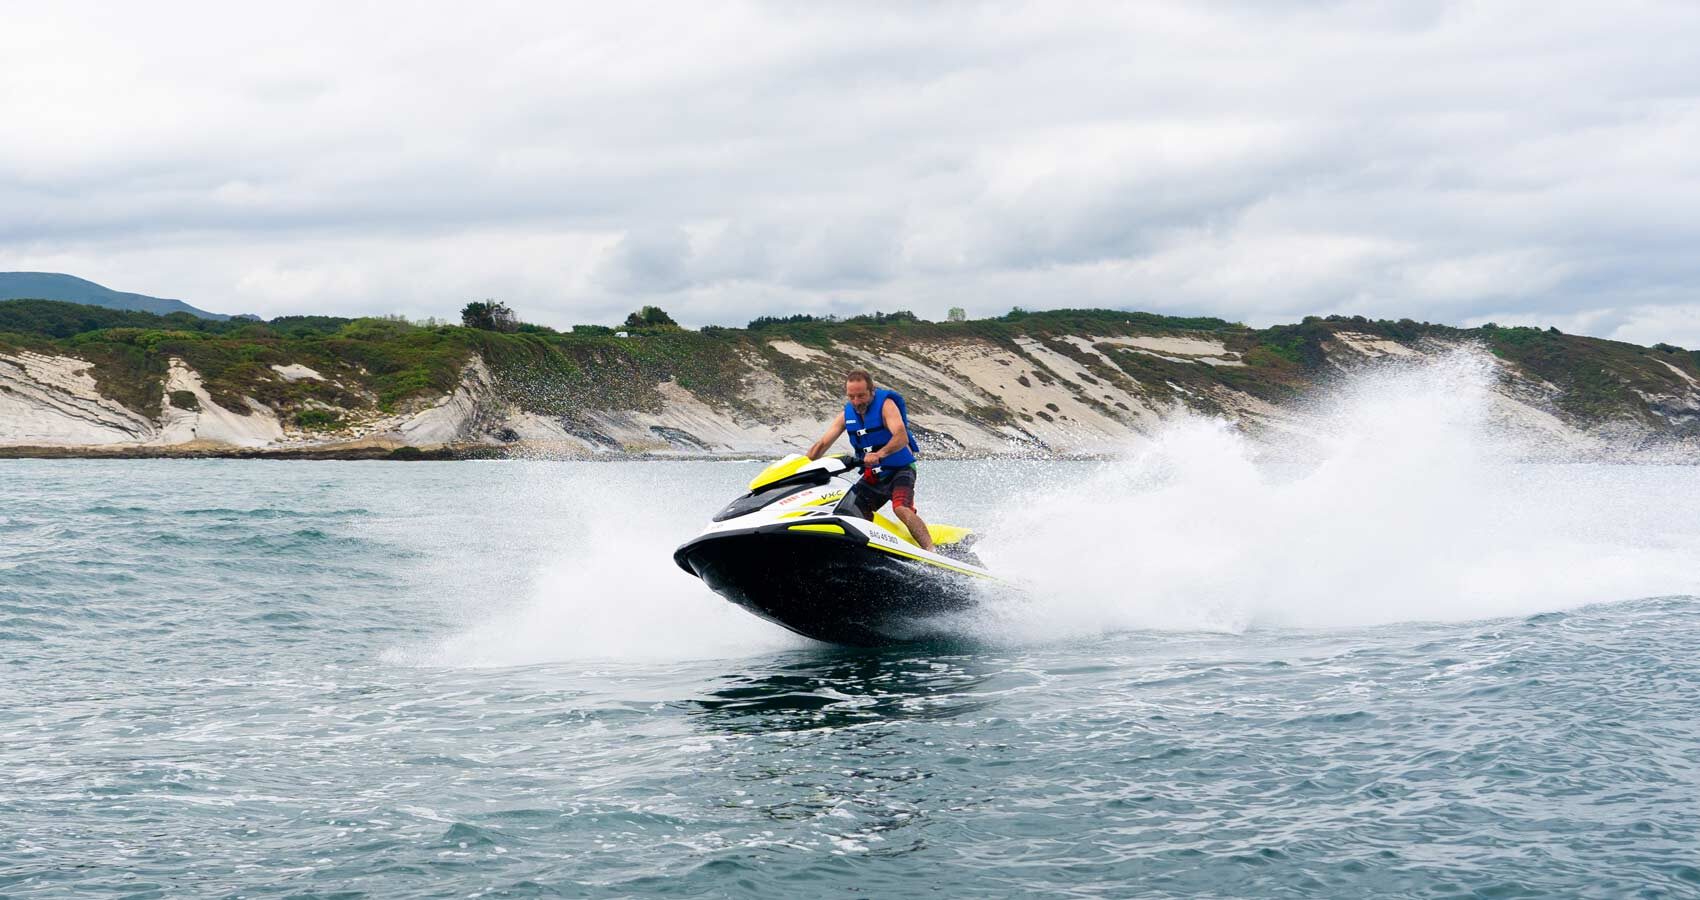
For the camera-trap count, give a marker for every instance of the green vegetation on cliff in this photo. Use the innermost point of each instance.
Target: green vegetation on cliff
(388, 364)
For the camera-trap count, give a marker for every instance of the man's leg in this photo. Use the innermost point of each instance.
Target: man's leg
(903, 506)
(917, 528)
(868, 499)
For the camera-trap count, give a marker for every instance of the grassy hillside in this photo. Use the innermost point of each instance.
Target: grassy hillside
(386, 364)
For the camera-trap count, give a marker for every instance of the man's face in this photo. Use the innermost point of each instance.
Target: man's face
(858, 393)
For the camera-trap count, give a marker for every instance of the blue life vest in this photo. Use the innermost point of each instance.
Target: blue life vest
(870, 433)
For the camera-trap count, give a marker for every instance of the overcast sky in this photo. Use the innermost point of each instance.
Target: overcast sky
(1259, 161)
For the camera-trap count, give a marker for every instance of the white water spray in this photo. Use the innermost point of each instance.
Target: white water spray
(1408, 508)
(597, 578)
(1403, 501)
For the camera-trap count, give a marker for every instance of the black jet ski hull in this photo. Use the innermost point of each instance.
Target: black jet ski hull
(828, 587)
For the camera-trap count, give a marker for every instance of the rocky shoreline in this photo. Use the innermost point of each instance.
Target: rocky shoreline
(442, 453)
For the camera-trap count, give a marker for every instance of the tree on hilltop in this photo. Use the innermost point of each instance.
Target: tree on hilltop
(489, 315)
(651, 317)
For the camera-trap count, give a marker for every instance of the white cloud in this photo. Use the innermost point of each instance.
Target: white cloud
(1261, 162)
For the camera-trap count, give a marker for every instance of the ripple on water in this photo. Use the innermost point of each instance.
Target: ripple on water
(206, 694)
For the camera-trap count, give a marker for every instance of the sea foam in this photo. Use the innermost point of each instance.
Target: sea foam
(1403, 497)
(1402, 500)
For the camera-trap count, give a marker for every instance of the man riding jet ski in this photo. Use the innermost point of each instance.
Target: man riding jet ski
(878, 426)
(808, 549)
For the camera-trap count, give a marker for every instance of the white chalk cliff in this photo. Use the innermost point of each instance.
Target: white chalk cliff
(968, 396)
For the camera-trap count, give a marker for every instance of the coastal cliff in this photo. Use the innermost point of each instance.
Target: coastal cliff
(82, 382)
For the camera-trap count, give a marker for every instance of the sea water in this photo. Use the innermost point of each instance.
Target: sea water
(1409, 665)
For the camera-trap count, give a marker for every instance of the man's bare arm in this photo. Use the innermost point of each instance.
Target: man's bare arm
(819, 448)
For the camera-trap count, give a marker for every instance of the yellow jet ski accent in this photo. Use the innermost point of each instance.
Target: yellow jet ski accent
(942, 534)
(823, 528)
(922, 559)
(784, 468)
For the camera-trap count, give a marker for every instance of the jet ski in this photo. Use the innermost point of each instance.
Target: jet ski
(795, 550)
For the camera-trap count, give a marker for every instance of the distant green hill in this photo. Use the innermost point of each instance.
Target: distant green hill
(71, 289)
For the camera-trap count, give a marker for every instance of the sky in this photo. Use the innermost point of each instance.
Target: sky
(1517, 162)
